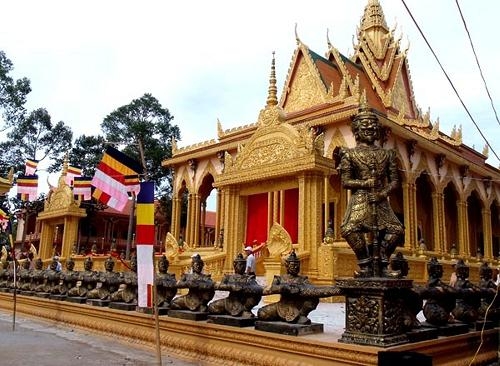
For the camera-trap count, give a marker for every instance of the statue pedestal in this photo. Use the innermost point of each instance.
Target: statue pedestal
(26, 293)
(233, 321)
(58, 297)
(122, 306)
(76, 299)
(97, 302)
(187, 314)
(45, 295)
(289, 328)
(449, 329)
(162, 310)
(374, 311)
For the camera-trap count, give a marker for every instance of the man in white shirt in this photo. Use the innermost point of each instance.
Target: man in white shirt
(250, 270)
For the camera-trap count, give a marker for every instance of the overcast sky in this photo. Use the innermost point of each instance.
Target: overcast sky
(209, 60)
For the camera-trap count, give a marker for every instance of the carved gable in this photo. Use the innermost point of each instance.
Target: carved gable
(304, 87)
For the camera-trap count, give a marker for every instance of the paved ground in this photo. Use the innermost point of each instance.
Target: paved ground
(38, 343)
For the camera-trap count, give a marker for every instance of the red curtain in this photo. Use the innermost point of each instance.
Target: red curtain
(291, 211)
(257, 218)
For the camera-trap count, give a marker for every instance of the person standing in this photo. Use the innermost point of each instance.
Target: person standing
(250, 270)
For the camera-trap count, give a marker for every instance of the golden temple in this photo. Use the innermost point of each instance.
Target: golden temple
(276, 182)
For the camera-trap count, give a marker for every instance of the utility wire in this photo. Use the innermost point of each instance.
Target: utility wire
(449, 80)
(477, 62)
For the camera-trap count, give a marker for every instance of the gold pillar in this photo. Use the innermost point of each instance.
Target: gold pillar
(196, 216)
(487, 234)
(410, 215)
(438, 220)
(463, 229)
(233, 221)
(310, 202)
(175, 229)
(276, 208)
(326, 204)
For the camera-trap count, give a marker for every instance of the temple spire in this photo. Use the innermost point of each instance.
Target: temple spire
(373, 22)
(272, 98)
(272, 114)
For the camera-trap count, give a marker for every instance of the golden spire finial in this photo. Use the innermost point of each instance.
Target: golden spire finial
(373, 16)
(272, 98)
(328, 39)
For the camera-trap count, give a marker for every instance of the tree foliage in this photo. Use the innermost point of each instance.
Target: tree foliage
(143, 128)
(12, 94)
(36, 137)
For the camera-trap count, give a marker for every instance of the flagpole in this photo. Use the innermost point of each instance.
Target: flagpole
(130, 227)
(15, 280)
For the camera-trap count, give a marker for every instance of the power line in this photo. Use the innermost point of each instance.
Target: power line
(449, 80)
(477, 62)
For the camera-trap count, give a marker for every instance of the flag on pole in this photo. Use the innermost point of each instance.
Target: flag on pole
(30, 166)
(27, 187)
(133, 184)
(109, 178)
(72, 173)
(82, 188)
(145, 235)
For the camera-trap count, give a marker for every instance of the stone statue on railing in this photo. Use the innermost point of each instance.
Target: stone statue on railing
(413, 302)
(68, 278)
(24, 277)
(298, 296)
(107, 282)
(3, 275)
(439, 296)
(468, 295)
(37, 278)
(127, 289)
(166, 284)
(244, 292)
(52, 277)
(200, 288)
(488, 310)
(86, 281)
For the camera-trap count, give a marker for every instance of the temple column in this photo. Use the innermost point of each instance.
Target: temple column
(310, 202)
(219, 214)
(463, 229)
(439, 244)
(175, 228)
(326, 204)
(234, 225)
(487, 234)
(274, 198)
(410, 215)
(203, 215)
(195, 217)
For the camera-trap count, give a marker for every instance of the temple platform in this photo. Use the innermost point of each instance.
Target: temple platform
(214, 344)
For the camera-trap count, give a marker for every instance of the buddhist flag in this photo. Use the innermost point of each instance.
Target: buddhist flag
(145, 236)
(109, 178)
(133, 184)
(72, 173)
(27, 187)
(82, 188)
(31, 165)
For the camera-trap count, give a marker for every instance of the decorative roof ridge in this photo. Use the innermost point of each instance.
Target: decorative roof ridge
(192, 147)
